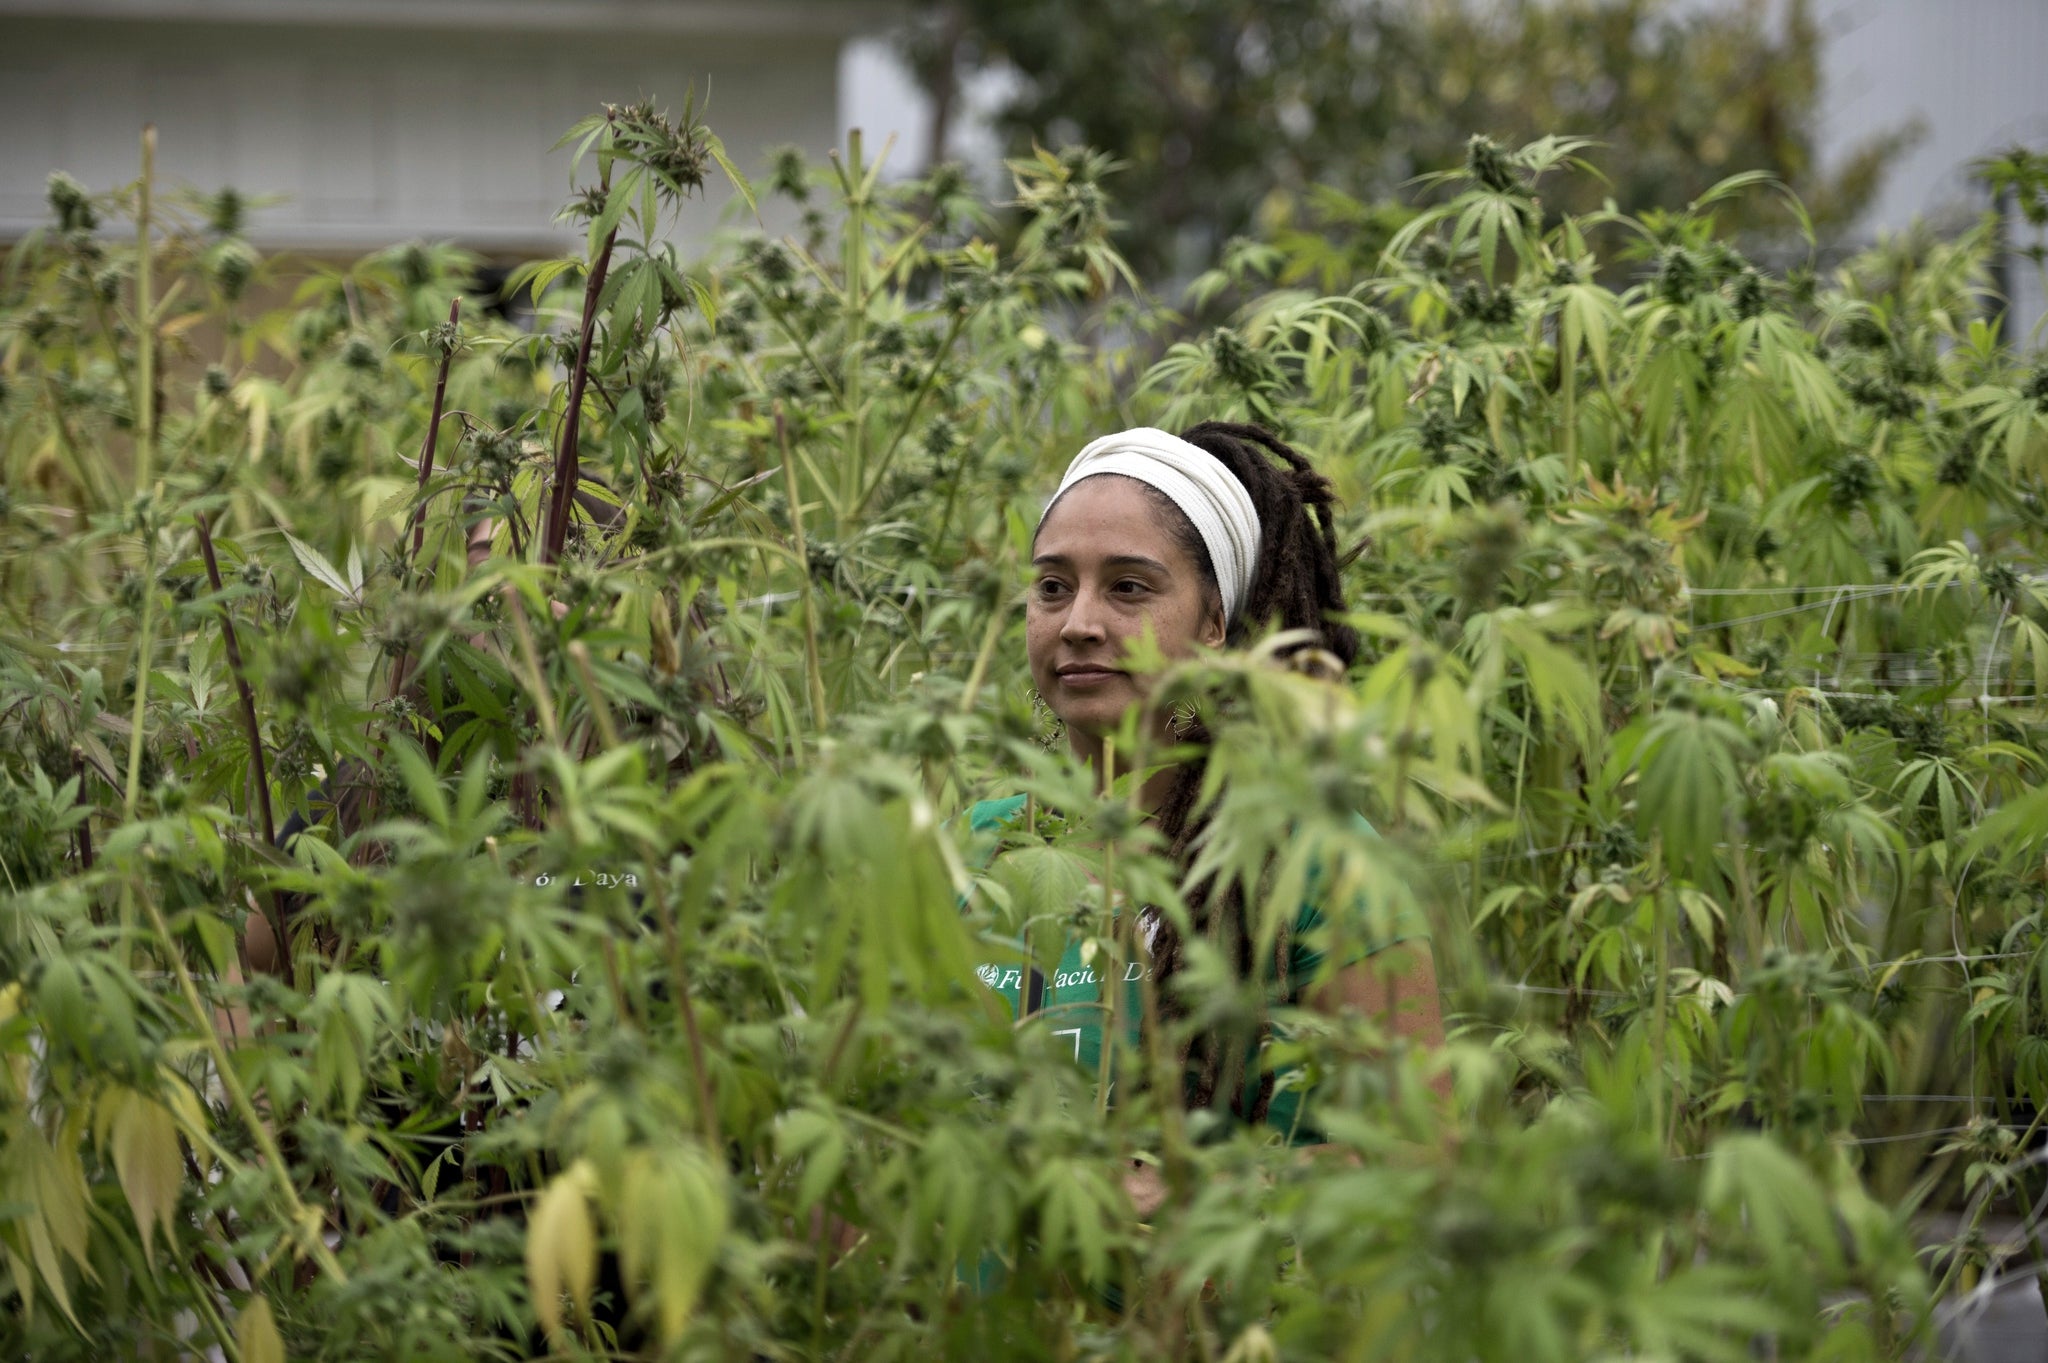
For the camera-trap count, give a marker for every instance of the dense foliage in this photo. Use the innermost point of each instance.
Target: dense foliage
(629, 1004)
(1231, 112)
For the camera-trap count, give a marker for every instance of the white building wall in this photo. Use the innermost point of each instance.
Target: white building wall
(1972, 71)
(374, 132)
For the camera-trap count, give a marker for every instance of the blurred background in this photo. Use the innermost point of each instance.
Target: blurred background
(360, 123)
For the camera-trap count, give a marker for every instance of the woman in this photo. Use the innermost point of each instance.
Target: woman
(1204, 540)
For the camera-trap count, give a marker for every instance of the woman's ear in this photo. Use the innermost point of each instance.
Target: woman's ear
(1213, 628)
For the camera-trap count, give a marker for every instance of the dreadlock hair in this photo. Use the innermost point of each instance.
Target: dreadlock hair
(1295, 586)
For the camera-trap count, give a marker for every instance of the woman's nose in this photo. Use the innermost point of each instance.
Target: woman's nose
(1084, 621)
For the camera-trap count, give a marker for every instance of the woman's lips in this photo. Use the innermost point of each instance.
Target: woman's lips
(1087, 678)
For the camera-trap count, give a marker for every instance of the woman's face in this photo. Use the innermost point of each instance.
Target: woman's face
(1106, 565)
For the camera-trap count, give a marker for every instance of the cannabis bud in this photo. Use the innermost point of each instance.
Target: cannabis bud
(654, 397)
(1374, 330)
(444, 340)
(335, 462)
(1679, 276)
(940, 437)
(170, 794)
(1958, 466)
(1487, 164)
(71, 204)
(1489, 309)
(1865, 332)
(1435, 435)
(359, 354)
(678, 152)
(226, 211)
(1853, 478)
(231, 263)
(888, 340)
(415, 265)
(2036, 388)
(769, 261)
(1237, 362)
(1749, 294)
(787, 174)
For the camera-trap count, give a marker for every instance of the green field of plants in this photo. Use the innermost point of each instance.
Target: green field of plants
(481, 793)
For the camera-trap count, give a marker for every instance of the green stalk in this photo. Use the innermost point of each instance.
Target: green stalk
(202, 1302)
(544, 701)
(989, 638)
(419, 515)
(795, 335)
(145, 321)
(1113, 976)
(1165, 1082)
(854, 270)
(814, 673)
(1568, 376)
(924, 389)
(593, 694)
(304, 1222)
(251, 731)
(658, 891)
(141, 680)
(1661, 903)
(568, 472)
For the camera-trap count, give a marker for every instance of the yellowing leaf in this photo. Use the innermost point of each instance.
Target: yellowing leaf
(146, 1158)
(671, 1220)
(561, 1246)
(256, 1333)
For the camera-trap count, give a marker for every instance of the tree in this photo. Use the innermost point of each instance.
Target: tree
(1225, 111)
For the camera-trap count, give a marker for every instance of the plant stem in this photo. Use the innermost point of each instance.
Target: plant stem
(419, 515)
(910, 417)
(813, 670)
(989, 638)
(1113, 975)
(202, 1303)
(567, 472)
(593, 694)
(544, 701)
(303, 1222)
(78, 769)
(145, 321)
(250, 730)
(1568, 381)
(141, 681)
(686, 1008)
(796, 338)
(1165, 1083)
(855, 262)
(1659, 1080)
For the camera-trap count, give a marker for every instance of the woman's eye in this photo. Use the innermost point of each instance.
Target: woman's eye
(1130, 586)
(1049, 587)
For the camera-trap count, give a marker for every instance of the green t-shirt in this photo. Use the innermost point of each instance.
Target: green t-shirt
(1069, 1003)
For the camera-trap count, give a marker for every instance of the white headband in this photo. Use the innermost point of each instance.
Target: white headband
(1206, 492)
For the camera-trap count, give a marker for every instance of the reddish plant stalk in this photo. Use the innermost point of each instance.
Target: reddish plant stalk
(419, 515)
(401, 665)
(566, 470)
(85, 825)
(249, 728)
